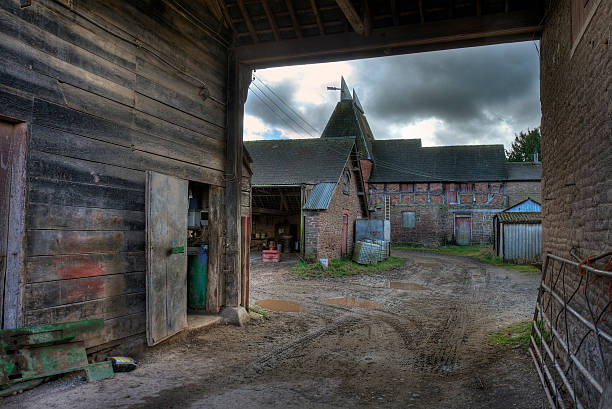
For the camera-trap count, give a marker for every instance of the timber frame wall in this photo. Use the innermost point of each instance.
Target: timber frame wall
(109, 90)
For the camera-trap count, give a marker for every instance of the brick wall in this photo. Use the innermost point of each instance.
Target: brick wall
(330, 221)
(323, 229)
(436, 204)
(576, 95)
(519, 191)
(311, 234)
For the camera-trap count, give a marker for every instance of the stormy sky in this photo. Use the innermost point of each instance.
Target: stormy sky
(455, 97)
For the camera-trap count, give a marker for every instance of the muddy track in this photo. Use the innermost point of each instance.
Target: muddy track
(424, 347)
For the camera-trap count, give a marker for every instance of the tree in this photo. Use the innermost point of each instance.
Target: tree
(524, 146)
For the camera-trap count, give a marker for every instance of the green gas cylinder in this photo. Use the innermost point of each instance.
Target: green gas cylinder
(196, 279)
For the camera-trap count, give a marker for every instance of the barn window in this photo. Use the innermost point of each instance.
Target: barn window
(408, 219)
(346, 182)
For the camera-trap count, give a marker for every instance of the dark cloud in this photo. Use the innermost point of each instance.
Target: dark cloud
(475, 92)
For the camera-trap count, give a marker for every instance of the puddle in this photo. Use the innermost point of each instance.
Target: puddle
(353, 302)
(280, 305)
(404, 285)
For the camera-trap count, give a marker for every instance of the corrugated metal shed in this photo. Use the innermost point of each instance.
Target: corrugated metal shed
(528, 205)
(518, 236)
(320, 196)
(522, 243)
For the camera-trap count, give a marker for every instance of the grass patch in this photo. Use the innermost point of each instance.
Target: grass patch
(482, 253)
(343, 266)
(258, 310)
(518, 334)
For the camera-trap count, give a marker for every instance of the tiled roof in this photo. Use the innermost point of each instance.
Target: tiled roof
(320, 196)
(523, 171)
(404, 160)
(520, 217)
(298, 161)
(347, 120)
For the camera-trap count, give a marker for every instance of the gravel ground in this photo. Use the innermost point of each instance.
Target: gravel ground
(422, 345)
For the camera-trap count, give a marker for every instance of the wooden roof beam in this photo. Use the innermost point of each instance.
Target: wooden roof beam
(247, 20)
(367, 18)
(294, 20)
(465, 32)
(227, 16)
(395, 12)
(315, 10)
(271, 21)
(421, 12)
(351, 15)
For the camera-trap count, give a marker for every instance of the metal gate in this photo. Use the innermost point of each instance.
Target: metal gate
(571, 344)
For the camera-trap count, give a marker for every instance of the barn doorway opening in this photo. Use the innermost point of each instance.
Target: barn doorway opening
(277, 219)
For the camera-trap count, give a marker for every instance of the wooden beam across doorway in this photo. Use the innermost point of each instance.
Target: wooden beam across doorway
(403, 39)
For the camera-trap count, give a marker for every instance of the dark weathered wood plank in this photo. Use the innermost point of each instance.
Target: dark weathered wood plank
(69, 144)
(17, 52)
(63, 267)
(59, 21)
(15, 106)
(31, 82)
(50, 242)
(116, 329)
(54, 217)
(45, 191)
(190, 103)
(107, 308)
(41, 40)
(55, 167)
(185, 147)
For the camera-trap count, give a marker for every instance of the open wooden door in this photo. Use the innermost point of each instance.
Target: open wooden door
(167, 204)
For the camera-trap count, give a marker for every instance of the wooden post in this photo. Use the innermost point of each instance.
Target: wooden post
(215, 250)
(239, 78)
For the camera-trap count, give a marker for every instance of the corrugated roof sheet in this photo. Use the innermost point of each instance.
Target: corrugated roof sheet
(320, 196)
(523, 171)
(404, 160)
(520, 217)
(298, 161)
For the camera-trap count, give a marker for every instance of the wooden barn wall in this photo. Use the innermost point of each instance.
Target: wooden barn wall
(108, 89)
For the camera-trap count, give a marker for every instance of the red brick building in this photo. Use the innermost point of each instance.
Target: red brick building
(307, 195)
(435, 195)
